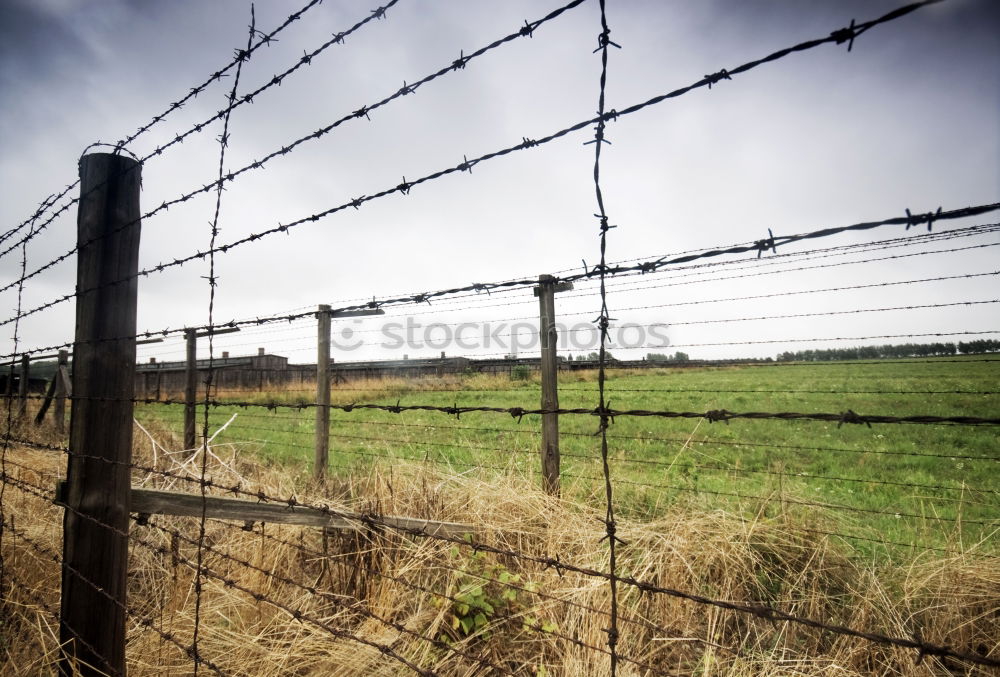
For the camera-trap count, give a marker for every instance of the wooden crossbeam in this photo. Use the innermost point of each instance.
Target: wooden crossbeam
(155, 502)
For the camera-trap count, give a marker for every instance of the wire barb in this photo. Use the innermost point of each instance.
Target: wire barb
(716, 77)
(842, 35)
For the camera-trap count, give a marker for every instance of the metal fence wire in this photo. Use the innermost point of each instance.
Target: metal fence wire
(168, 493)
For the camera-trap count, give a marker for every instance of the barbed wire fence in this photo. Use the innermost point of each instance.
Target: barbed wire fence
(363, 429)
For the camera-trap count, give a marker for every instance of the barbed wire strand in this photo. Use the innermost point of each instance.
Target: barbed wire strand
(509, 584)
(404, 188)
(525, 31)
(10, 408)
(637, 461)
(224, 138)
(761, 611)
(144, 621)
(476, 288)
(296, 614)
(36, 599)
(713, 416)
(687, 303)
(478, 465)
(265, 39)
(313, 591)
(773, 259)
(603, 323)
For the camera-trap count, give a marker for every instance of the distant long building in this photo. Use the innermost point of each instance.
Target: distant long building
(265, 371)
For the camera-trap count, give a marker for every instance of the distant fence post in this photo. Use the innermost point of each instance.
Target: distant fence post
(62, 390)
(190, 387)
(322, 458)
(324, 317)
(545, 291)
(97, 499)
(22, 386)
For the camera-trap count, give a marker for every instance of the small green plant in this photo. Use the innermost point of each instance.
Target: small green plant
(488, 593)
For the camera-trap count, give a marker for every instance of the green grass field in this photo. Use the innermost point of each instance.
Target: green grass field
(886, 489)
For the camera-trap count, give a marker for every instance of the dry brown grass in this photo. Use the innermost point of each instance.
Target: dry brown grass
(361, 577)
(365, 389)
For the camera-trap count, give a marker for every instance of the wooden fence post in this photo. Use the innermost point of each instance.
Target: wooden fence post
(62, 390)
(190, 388)
(95, 521)
(548, 337)
(22, 386)
(324, 317)
(322, 458)
(8, 390)
(50, 393)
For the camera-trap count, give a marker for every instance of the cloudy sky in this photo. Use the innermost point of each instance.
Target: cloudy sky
(910, 118)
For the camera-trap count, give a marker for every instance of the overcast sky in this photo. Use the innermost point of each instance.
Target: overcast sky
(909, 118)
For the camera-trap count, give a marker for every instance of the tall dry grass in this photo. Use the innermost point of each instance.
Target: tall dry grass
(400, 591)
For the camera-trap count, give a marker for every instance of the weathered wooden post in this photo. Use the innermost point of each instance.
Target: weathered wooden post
(97, 499)
(324, 315)
(8, 391)
(22, 386)
(62, 391)
(191, 379)
(548, 338)
(47, 400)
(322, 458)
(190, 387)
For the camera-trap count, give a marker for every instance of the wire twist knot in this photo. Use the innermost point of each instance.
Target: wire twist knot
(842, 35)
(714, 78)
(717, 415)
(850, 417)
(765, 244)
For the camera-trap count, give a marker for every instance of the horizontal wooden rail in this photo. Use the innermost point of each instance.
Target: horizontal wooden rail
(154, 502)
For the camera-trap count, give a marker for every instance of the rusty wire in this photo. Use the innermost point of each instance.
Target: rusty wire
(603, 323)
(604, 413)
(335, 599)
(848, 536)
(638, 621)
(753, 609)
(525, 31)
(826, 313)
(909, 220)
(641, 461)
(144, 621)
(241, 55)
(674, 304)
(835, 37)
(296, 614)
(239, 490)
(761, 611)
(34, 597)
(10, 404)
(713, 416)
(475, 288)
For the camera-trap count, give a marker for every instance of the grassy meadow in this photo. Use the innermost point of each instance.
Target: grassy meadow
(888, 485)
(889, 529)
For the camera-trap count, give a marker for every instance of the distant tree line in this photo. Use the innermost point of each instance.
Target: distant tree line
(663, 357)
(892, 350)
